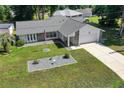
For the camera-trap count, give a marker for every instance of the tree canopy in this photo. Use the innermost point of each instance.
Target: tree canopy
(108, 13)
(5, 13)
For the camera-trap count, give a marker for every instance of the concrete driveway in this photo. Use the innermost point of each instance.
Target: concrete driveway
(109, 57)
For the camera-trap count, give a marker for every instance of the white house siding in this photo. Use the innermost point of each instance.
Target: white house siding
(63, 38)
(87, 15)
(4, 31)
(74, 39)
(7, 30)
(86, 36)
(23, 37)
(11, 29)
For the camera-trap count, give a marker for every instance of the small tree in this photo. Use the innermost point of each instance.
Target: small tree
(5, 41)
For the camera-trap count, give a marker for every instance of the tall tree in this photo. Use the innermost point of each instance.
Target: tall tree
(99, 9)
(53, 8)
(43, 11)
(23, 12)
(113, 12)
(39, 11)
(108, 14)
(5, 13)
(36, 11)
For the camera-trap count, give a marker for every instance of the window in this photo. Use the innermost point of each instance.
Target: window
(51, 34)
(31, 37)
(34, 37)
(28, 37)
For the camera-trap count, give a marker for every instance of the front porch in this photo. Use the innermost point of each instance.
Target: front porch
(38, 37)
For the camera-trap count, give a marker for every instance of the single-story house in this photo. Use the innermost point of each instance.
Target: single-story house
(87, 12)
(68, 13)
(6, 28)
(68, 29)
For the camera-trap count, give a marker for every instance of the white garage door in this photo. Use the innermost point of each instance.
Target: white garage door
(88, 37)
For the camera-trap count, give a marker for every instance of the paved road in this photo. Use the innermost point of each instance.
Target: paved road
(109, 57)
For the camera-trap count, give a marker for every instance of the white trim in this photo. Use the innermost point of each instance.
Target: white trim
(36, 37)
(68, 41)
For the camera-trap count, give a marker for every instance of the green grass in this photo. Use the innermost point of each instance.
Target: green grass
(88, 72)
(113, 40)
(111, 35)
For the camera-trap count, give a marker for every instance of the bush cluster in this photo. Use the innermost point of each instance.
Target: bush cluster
(20, 43)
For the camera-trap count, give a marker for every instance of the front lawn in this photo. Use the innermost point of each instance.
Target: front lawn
(88, 72)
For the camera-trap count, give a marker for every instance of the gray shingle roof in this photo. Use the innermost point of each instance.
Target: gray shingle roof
(5, 26)
(70, 26)
(67, 12)
(88, 27)
(86, 10)
(57, 23)
(30, 27)
(80, 18)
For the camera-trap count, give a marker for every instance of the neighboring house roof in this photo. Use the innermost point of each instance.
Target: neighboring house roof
(5, 25)
(67, 12)
(80, 19)
(85, 11)
(52, 24)
(70, 26)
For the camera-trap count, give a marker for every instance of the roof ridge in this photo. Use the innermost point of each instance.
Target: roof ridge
(76, 20)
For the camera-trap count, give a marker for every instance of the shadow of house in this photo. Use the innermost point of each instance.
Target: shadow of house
(59, 43)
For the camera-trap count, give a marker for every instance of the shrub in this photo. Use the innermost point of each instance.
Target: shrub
(35, 62)
(20, 43)
(66, 55)
(119, 84)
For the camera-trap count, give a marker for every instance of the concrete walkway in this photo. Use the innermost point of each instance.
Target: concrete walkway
(39, 43)
(109, 57)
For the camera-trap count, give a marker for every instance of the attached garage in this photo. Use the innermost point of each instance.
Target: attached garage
(89, 34)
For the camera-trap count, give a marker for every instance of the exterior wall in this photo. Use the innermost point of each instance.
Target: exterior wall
(23, 37)
(4, 31)
(74, 40)
(89, 36)
(63, 38)
(28, 38)
(87, 14)
(56, 37)
(11, 29)
(40, 37)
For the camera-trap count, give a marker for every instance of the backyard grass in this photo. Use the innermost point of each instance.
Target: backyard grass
(88, 72)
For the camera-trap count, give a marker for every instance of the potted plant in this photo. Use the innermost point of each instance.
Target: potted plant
(35, 62)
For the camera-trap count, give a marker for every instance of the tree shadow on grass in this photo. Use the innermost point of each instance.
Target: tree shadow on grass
(2, 52)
